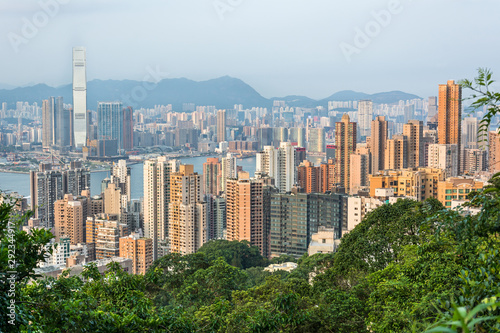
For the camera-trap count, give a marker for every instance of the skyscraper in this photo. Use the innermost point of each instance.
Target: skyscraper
(156, 199)
(187, 221)
(212, 176)
(365, 114)
(378, 143)
(414, 133)
(450, 117)
(54, 123)
(317, 140)
(396, 153)
(345, 139)
(245, 211)
(286, 167)
(128, 128)
(229, 169)
(79, 96)
(221, 125)
(46, 187)
(110, 122)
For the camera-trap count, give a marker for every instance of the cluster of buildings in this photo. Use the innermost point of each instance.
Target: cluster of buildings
(369, 154)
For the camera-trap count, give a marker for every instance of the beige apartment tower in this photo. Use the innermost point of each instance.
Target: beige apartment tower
(187, 221)
(450, 116)
(221, 125)
(69, 219)
(345, 139)
(494, 152)
(413, 131)
(140, 250)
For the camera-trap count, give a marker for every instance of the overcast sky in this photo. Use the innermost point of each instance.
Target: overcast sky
(279, 47)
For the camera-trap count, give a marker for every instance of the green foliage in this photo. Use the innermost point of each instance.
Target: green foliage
(483, 97)
(378, 240)
(238, 254)
(20, 253)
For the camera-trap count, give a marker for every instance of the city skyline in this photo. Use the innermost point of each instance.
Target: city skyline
(350, 56)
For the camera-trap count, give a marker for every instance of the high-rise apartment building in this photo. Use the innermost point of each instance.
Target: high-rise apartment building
(378, 143)
(345, 139)
(139, 249)
(46, 187)
(187, 222)
(285, 178)
(121, 177)
(245, 211)
(309, 177)
(450, 117)
(360, 166)
(475, 161)
(365, 116)
(76, 179)
(70, 215)
(221, 125)
(413, 131)
(212, 176)
(110, 122)
(229, 169)
(396, 153)
(469, 129)
(156, 200)
(216, 216)
(80, 121)
(444, 157)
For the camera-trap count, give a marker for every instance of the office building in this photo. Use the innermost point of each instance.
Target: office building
(345, 140)
(139, 249)
(128, 129)
(378, 143)
(110, 122)
(450, 117)
(221, 125)
(317, 142)
(80, 121)
(298, 135)
(187, 222)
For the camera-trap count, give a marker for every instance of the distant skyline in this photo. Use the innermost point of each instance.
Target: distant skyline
(278, 47)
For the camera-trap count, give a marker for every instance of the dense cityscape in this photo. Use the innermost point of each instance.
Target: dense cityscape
(199, 205)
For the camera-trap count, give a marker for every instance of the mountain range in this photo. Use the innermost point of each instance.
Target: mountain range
(223, 92)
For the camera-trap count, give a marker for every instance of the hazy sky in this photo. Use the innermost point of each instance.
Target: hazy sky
(279, 47)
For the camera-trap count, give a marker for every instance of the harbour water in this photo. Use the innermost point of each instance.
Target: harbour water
(17, 182)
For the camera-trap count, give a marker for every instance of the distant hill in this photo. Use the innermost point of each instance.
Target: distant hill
(223, 92)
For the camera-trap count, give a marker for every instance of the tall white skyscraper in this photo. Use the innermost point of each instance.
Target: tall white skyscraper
(79, 96)
(278, 164)
(365, 115)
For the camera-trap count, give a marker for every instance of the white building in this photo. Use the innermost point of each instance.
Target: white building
(365, 115)
(79, 96)
(357, 208)
(443, 156)
(229, 169)
(323, 242)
